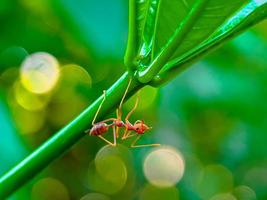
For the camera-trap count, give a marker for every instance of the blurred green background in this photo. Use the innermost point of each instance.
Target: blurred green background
(211, 120)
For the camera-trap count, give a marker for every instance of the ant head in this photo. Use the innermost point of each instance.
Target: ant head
(140, 127)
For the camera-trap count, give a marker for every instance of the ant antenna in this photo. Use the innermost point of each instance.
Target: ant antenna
(104, 98)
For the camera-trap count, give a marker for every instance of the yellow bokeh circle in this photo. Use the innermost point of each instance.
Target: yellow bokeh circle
(164, 167)
(39, 72)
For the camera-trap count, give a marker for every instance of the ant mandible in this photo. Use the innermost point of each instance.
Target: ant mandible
(139, 127)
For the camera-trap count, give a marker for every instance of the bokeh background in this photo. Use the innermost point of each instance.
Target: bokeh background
(56, 57)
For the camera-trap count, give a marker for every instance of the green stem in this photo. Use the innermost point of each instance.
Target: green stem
(150, 72)
(64, 139)
(132, 37)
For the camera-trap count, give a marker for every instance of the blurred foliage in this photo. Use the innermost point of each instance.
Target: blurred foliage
(214, 113)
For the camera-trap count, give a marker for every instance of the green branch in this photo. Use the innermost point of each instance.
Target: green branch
(64, 139)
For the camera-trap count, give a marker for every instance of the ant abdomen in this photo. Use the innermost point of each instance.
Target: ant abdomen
(99, 129)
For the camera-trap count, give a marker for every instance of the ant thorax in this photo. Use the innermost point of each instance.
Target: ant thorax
(119, 123)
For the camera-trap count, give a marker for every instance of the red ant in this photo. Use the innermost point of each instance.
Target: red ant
(139, 127)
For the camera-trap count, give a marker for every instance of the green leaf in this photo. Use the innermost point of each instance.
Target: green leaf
(250, 14)
(141, 29)
(169, 29)
(149, 72)
(210, 18)
(146, 25)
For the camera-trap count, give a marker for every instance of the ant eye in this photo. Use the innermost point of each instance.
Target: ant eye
(137, 129)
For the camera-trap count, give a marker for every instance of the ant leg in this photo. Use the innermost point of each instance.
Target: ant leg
(119, 110)
(107, 141)
(134, 108)
(128, 136)
(117, 132)
(125, 134)
(114, 136)
(107, 120)
(104, 98)
(142, 145)
(118, 118)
